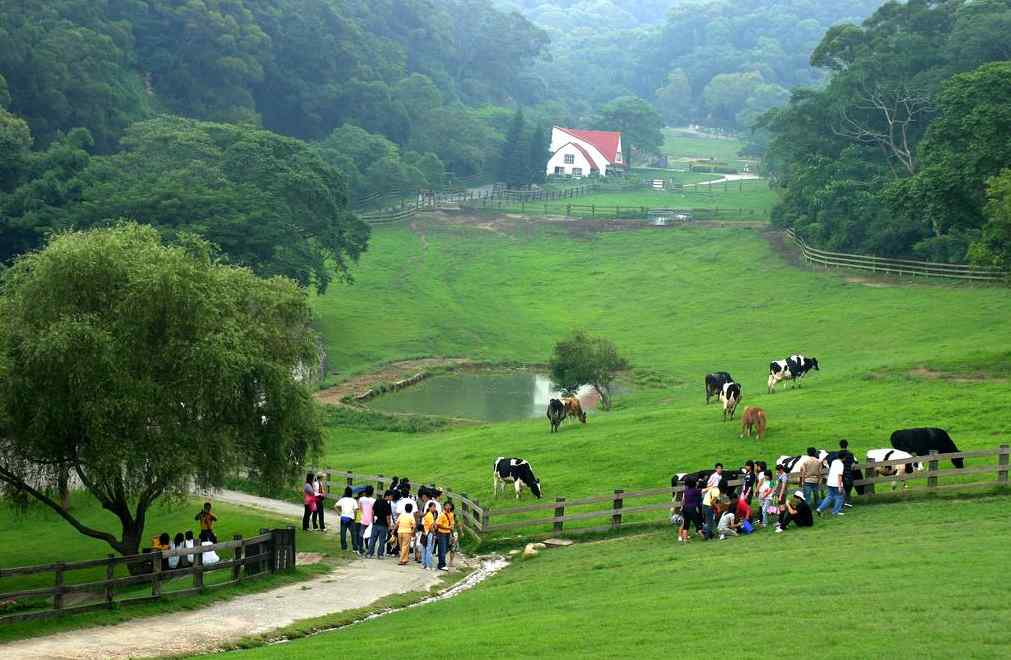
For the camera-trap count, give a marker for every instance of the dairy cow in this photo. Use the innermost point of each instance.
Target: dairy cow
(715, 382)
(792, 368)
(556, 413)
(730, 396)
(517, 471)
(921, 441)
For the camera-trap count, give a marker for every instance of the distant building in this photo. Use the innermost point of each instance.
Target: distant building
(582, 153)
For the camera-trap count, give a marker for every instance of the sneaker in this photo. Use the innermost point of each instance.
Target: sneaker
(779, 530)
(840, 514)
(723, 537)
(443, 569)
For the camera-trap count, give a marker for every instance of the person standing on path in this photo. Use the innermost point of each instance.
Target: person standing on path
(365, 504)
(445, 525)
(320, 493)
(308, 500)
(810, 475)
(428, 535)
(382, 515)
(346, 507)
(405, 532)
(835, 495)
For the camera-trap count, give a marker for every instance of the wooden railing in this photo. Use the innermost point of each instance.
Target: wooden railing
(623, 508)
(269, 552)
(894, 266)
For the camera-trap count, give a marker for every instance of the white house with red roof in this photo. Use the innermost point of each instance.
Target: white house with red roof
(582, 153)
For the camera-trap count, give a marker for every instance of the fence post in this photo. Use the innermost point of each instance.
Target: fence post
(237, 569)
(350, 479)
(463, 506)
(559, 513)
(931, 470)
(869, 473)
(58, 595)
(618, 503)
(291, 547)
(156, 573)
(1002, 465)
(110, 569)
(263, 546)
(198, 570)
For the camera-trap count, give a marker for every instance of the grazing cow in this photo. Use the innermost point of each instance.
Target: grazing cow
(715, 382)
(574, 409)
(881, 455)
(791, 462)
(921, 441)
(792, 368)
(517, 471)
(753, 419)
(702, 476)
(730, 396)
(556, 413)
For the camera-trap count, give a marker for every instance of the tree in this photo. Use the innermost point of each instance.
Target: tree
(539, 155)
(581, 360)
(994, 246)
(638, 122)
(151, 369)
(675, 98)
(514, 168)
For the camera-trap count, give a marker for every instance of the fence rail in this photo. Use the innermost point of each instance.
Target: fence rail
(269, 552)
(615, 505)
(896, 266)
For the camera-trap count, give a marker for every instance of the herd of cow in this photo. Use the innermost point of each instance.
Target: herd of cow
(906, 443)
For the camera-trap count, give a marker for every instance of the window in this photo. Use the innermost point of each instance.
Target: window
(577, 171)
(559, 170)
(570, 159)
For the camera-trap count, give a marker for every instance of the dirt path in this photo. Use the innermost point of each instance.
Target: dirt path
(207, 629)
(394, 371)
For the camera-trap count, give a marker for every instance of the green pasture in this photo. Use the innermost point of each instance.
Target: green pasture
(681, 144)
(905, 580)
(678, 303)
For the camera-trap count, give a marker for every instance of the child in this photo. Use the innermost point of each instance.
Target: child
(765, 492)
(728, 522)
(206, 518)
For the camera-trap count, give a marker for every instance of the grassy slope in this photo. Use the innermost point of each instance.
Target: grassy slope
(902, 580)
(678, 302)
(679, 144)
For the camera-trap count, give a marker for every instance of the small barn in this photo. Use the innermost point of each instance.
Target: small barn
(578, 153)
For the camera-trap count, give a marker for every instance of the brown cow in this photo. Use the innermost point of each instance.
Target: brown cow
(574, 409)
(753, 418)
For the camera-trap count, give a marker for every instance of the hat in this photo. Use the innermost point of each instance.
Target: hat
(799, 494)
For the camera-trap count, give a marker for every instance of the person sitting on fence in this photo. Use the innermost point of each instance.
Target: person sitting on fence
(346, 507)
(206, 518)
(691, 510)
(797, 511)
(728, 521)
(178, 561)
(163, 542)
(405, 531)
(207, 538)
(190, 542)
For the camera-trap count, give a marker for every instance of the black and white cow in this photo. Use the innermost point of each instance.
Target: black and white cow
(702, 477)
(921, 441)
(517, 471)
(715, 382)
(730, 396)
(792, 368)
(556, 413)
(882, 455)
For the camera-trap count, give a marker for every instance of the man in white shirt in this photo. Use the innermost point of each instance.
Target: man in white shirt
(346, 507)
(836, 493)
(714, 478)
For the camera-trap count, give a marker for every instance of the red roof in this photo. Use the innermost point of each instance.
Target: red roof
(606, 142)
(586, 155)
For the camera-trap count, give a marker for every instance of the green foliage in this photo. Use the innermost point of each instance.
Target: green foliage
(537, 160)
(15, 142)
(370, 420)
(638, 122)
(143, 369)
(514, 168)
(994, 247)
(585, 360)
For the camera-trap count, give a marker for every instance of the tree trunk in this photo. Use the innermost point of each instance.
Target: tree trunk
(605, 396)
(130, 545)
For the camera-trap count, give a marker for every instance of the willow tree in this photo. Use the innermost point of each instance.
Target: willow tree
(139, 369)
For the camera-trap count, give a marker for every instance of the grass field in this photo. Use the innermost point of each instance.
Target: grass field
(902, 580)
(681, 144)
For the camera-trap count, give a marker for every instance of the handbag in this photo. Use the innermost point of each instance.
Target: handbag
(746, 527)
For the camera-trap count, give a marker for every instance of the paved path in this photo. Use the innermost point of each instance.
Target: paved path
(279, 507)
(356, 585)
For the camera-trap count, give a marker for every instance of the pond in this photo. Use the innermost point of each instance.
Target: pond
(489, 396)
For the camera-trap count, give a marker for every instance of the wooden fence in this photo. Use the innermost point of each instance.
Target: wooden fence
(894, 266)
(623, 508)
(269, 552)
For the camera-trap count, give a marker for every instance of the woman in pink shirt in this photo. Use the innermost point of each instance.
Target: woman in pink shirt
(365, 504)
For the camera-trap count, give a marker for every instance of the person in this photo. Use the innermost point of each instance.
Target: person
(308, 500)
(190, 543)
(365, 504)
(710, 502)
(178, 561)
(797, 511)
(405, 531)
(747, 490)
(691, 510)
(445, 526)
(782, 483)
(728, 521)
(346, 507)
(319, 492)
(848, 460)
(163, 542)
(766, 490)
(206, 518)
(834, 481)
(810, 474)
(716, 476)
(382, 516)
(356, 527)
(207, 538)
(428, 535)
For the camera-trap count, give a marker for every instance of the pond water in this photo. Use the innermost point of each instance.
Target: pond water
(494, 396)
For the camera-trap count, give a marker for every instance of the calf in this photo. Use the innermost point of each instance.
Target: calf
(752, 420)
(921, 441)
(730, 396)
(517, 471)
(574, 409)
(715, 382)
(792, 368)
(556, 413)
(881, 455)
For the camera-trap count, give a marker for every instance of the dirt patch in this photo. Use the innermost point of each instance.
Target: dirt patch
(395, 371)
(866, 281)
(955, 377)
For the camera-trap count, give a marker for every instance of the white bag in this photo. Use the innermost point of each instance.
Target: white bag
(368, 532)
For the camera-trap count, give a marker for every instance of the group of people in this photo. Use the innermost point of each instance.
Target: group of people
(206, 518)
(714, 514)
(394, 524)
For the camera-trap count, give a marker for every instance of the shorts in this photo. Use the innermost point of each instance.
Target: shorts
(690, 516)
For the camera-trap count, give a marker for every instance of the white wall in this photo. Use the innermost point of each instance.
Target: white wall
(558, 160)
(559, 138)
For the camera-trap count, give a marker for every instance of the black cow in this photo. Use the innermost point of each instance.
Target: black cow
(715, 382)
(517, 471)
(919, 442)
(792, 368)
(556, 413)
